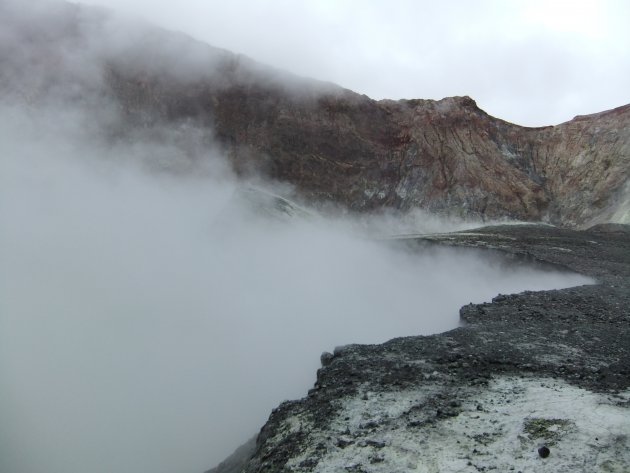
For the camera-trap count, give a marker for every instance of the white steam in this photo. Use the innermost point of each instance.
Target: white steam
(150, 322)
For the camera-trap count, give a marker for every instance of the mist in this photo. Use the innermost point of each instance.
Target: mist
(150, 321)
(531, 62)
(150, 316)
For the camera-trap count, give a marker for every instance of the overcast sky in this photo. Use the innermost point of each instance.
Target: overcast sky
(533, 62)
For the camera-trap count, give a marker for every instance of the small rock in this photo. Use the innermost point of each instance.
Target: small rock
(375, 443)
(544, 451)
(309, 463)
(343, 443)
(326, 358)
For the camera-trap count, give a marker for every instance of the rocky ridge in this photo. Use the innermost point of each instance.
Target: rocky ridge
(447, 156)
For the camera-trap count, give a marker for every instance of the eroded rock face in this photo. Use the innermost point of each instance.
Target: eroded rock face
(446, 156)
(332, 144)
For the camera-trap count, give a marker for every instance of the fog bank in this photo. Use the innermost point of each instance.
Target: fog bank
(150, 321)
(150, 316)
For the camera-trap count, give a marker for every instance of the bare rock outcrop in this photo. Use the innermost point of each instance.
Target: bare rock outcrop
(447, 156)
(333, 145)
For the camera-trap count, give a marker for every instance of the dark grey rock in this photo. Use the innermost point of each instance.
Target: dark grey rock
(516, 335)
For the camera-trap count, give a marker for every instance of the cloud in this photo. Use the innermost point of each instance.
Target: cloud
(533, 63)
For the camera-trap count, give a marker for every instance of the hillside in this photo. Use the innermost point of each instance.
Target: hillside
(333, 145)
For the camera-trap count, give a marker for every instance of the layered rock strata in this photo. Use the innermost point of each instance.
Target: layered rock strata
(333, 145)
(447, 156)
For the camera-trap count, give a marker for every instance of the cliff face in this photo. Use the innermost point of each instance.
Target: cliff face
(332, 144)
(447, 156)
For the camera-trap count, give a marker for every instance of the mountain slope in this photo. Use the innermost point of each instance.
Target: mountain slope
(332, 144)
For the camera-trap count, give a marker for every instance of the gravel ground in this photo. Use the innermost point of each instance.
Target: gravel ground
(537, 381)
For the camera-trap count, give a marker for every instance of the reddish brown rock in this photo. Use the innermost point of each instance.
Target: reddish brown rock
(447, 156)
(334, 145)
